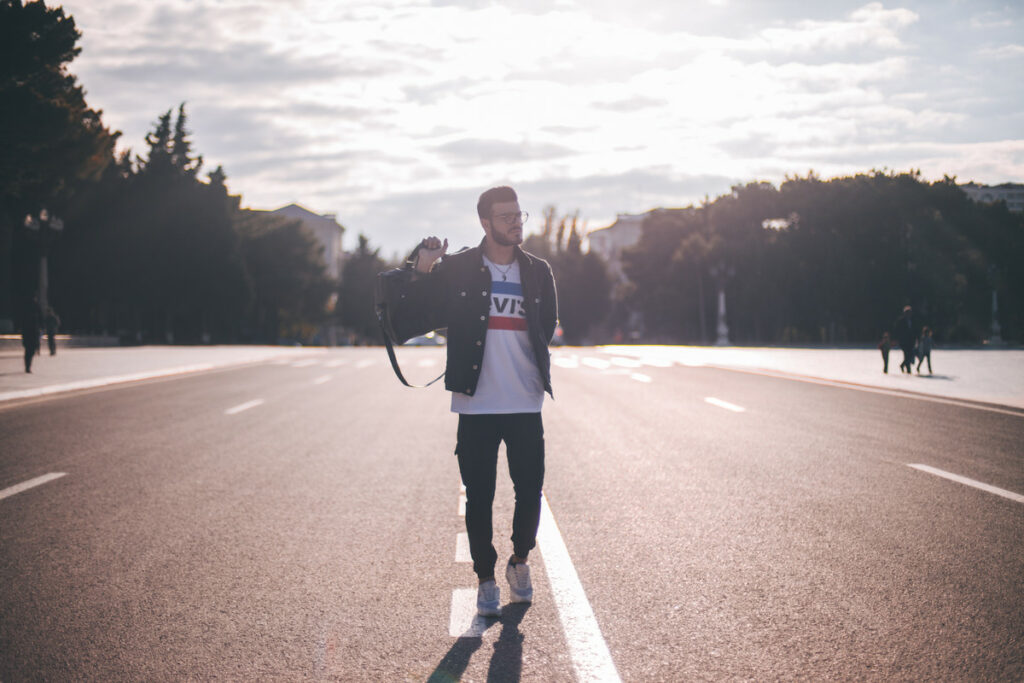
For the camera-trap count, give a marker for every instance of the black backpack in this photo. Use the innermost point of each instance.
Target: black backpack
(399, 312)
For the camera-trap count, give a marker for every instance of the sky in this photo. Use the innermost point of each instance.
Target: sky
(396, 114)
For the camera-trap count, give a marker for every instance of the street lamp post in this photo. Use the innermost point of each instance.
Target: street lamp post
(721, 273)
(995, 338)
(43, 230)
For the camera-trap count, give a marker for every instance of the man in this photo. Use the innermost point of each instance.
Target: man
(30, 331)
(903, 328)
(499, 305)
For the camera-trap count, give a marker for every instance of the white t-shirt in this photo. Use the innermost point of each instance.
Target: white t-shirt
(509, 379)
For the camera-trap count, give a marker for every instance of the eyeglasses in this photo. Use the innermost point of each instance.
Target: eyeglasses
(510, 218)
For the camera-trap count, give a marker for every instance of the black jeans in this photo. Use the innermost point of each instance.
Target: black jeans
(477, 450)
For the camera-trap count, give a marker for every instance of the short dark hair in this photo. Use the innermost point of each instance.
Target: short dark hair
(504, 193)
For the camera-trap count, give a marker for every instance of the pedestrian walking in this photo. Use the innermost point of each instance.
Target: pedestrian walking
(52, 325)
(903, 328)
(30, 331)
(924, 349)
(499, 305)
(884, 347)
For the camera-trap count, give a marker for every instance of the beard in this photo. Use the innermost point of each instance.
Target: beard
(507, 240)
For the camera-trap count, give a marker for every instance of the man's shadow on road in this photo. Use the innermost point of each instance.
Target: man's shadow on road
(506, 662)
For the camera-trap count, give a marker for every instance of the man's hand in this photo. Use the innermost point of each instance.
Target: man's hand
(432, 249)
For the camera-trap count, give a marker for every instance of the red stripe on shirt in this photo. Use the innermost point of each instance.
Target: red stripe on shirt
(506, 323)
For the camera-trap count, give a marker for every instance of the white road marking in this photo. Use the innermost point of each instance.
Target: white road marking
(589, 652)
(245, 406)
(322, 379)
(464, 622)
(365, 363)
(724, 404)
(304, 363)
(462, 505)
(640, 377)
(598, 363)
(31, 483)
(462, 548)
(335, 363)
(427, 363)
(566, 361)
(970, 482)
(625, 362)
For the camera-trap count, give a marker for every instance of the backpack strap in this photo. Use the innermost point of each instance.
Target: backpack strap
(394, 362)
(382, 314)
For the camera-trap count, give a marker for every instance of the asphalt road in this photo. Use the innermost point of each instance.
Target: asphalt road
(776, 532)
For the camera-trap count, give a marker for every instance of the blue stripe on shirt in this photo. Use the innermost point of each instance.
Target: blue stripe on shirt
(502, 287)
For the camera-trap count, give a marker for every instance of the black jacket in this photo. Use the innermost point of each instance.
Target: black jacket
(456, 294)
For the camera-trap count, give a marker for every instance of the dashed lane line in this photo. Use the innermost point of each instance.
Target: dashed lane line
(640, 377)
(463, 621)
(725, 404)
(304, 363)
(970, 482)
(31, 483)
(590, 656)
(462, 548)
(365, 363)
(322, 379)
(244, 406)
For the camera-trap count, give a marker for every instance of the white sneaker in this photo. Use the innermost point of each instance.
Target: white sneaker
(519, 584)
(488, 599)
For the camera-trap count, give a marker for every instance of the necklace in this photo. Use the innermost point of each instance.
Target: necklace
(504, 271)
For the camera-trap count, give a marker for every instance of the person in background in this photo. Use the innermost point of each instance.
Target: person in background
(30, 331)
(924, 349)
(884, 347)
(903, 328)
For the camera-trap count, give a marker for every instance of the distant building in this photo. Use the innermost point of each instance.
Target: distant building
(610, 242)
(326, 229)
(1011, 193)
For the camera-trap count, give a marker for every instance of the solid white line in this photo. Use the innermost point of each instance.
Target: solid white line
(842, 384)
(970, 482)
(589, 652)
(31, 483)
(104, 381)
(464, 622)
(322, 379)
(724, 404)
(245, 406)
(462, 548)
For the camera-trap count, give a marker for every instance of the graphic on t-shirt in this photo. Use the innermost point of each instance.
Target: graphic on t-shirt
(507, 307)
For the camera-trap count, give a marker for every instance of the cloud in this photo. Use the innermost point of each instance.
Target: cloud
(870, 26)
(475, 152)
(631, 105)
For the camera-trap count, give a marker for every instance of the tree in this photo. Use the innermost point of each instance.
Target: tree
(52, 141)
(358, 280)
(285, 265)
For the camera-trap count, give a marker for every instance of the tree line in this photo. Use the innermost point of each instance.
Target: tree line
(830, 261)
